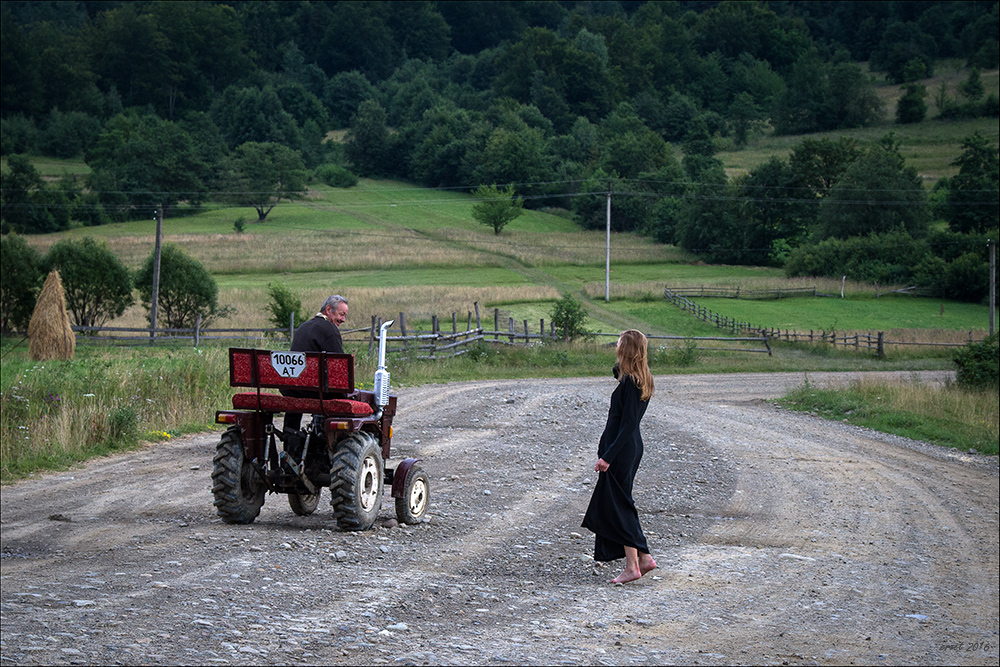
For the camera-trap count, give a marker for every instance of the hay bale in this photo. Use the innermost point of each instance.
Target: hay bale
(50, 335)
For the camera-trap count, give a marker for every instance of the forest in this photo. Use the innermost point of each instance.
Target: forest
(174, 105)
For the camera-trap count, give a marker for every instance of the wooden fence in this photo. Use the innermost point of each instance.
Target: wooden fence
(439, 343)
(739, 293)
(403, 341)
(867, 341)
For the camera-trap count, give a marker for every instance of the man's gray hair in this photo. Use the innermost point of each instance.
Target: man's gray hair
(332, 302)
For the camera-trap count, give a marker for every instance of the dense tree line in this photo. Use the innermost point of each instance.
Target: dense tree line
(174, 102)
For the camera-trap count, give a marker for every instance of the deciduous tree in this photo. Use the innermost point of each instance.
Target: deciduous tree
(974, 193)
(187, 289)
(141, 163)
(262, 174)
(20, 280)
(496, 207)
(97, 284)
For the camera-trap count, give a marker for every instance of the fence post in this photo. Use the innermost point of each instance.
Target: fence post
(510, 328)
(526, 339)
(454, 322)
(496, 324)
(197, 330)
(541, 328)
(291, 326)
(436, 327)
(402, 331)
(478, 323)
(881, 345)
(371, 337)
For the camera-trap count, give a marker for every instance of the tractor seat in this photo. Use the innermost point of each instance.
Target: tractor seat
(251, 400)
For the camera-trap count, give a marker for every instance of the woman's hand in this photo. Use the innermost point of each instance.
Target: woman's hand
(601, 465)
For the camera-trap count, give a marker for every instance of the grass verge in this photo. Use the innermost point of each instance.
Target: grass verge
(949, 416)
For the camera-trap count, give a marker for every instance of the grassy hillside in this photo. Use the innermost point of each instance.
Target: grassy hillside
(393, 247)
(930, 147)
(396, 248)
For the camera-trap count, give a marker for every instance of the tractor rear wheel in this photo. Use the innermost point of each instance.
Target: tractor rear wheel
(303, 504)
(356, 489)
(238, 490)
(416, 493)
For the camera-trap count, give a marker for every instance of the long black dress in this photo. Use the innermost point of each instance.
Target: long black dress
(612, 516)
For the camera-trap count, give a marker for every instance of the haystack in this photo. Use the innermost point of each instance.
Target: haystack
(49, 333)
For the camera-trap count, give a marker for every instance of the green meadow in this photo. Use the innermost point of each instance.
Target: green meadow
(395, 248)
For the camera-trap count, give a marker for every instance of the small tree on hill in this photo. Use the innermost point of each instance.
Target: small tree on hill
(568, 316)
(97, 284)
(911, 107)
(283, 303)
(262, 174)
(496, 208)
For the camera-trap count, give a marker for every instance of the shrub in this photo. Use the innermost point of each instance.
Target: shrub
(97, 284)
(17, 135)
(568, 316)
(979, 364)
(967, 278)
(283, 303)
(187, 290)
(336, 176)
(20, 280)
(123, 426)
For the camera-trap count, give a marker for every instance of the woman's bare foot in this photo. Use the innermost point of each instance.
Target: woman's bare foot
(626, 576)
(644, 564)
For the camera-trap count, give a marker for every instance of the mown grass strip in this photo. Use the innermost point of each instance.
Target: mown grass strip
(949, 416)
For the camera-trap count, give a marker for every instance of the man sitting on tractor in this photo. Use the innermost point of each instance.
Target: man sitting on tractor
(320, 334)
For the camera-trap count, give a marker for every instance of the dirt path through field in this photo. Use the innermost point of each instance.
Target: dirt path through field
(781, 539)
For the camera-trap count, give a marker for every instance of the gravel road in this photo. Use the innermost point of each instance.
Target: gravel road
(781, 539)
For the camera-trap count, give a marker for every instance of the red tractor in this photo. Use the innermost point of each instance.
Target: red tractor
(343, 447)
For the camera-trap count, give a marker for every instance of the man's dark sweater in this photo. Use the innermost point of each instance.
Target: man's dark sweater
(316, 335)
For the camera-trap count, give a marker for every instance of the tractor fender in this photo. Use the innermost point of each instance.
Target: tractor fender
(399, 476)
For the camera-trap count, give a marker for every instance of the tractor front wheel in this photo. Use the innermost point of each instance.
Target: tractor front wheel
(356, 489)
(303, 504)
(238, 490)
(416, 493)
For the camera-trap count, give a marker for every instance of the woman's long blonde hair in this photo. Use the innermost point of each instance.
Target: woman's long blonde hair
(632, 361)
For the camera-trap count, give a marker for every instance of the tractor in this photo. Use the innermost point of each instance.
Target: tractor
(343, 447)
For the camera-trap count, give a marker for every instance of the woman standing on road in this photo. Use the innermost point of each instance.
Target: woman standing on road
(612, 516)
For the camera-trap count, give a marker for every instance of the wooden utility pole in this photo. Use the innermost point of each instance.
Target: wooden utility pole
(993, 285)
(607, 253)
(156, 275)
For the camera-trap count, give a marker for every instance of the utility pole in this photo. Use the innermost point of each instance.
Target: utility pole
(607, 253)
(993, 285)
(156, 275)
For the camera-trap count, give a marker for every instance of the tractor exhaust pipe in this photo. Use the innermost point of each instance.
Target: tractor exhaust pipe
(381, 385)
(382, 375)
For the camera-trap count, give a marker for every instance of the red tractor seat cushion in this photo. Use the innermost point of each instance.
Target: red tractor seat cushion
(277, 403)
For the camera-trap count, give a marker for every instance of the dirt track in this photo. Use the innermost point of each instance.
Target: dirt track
(781, 539)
